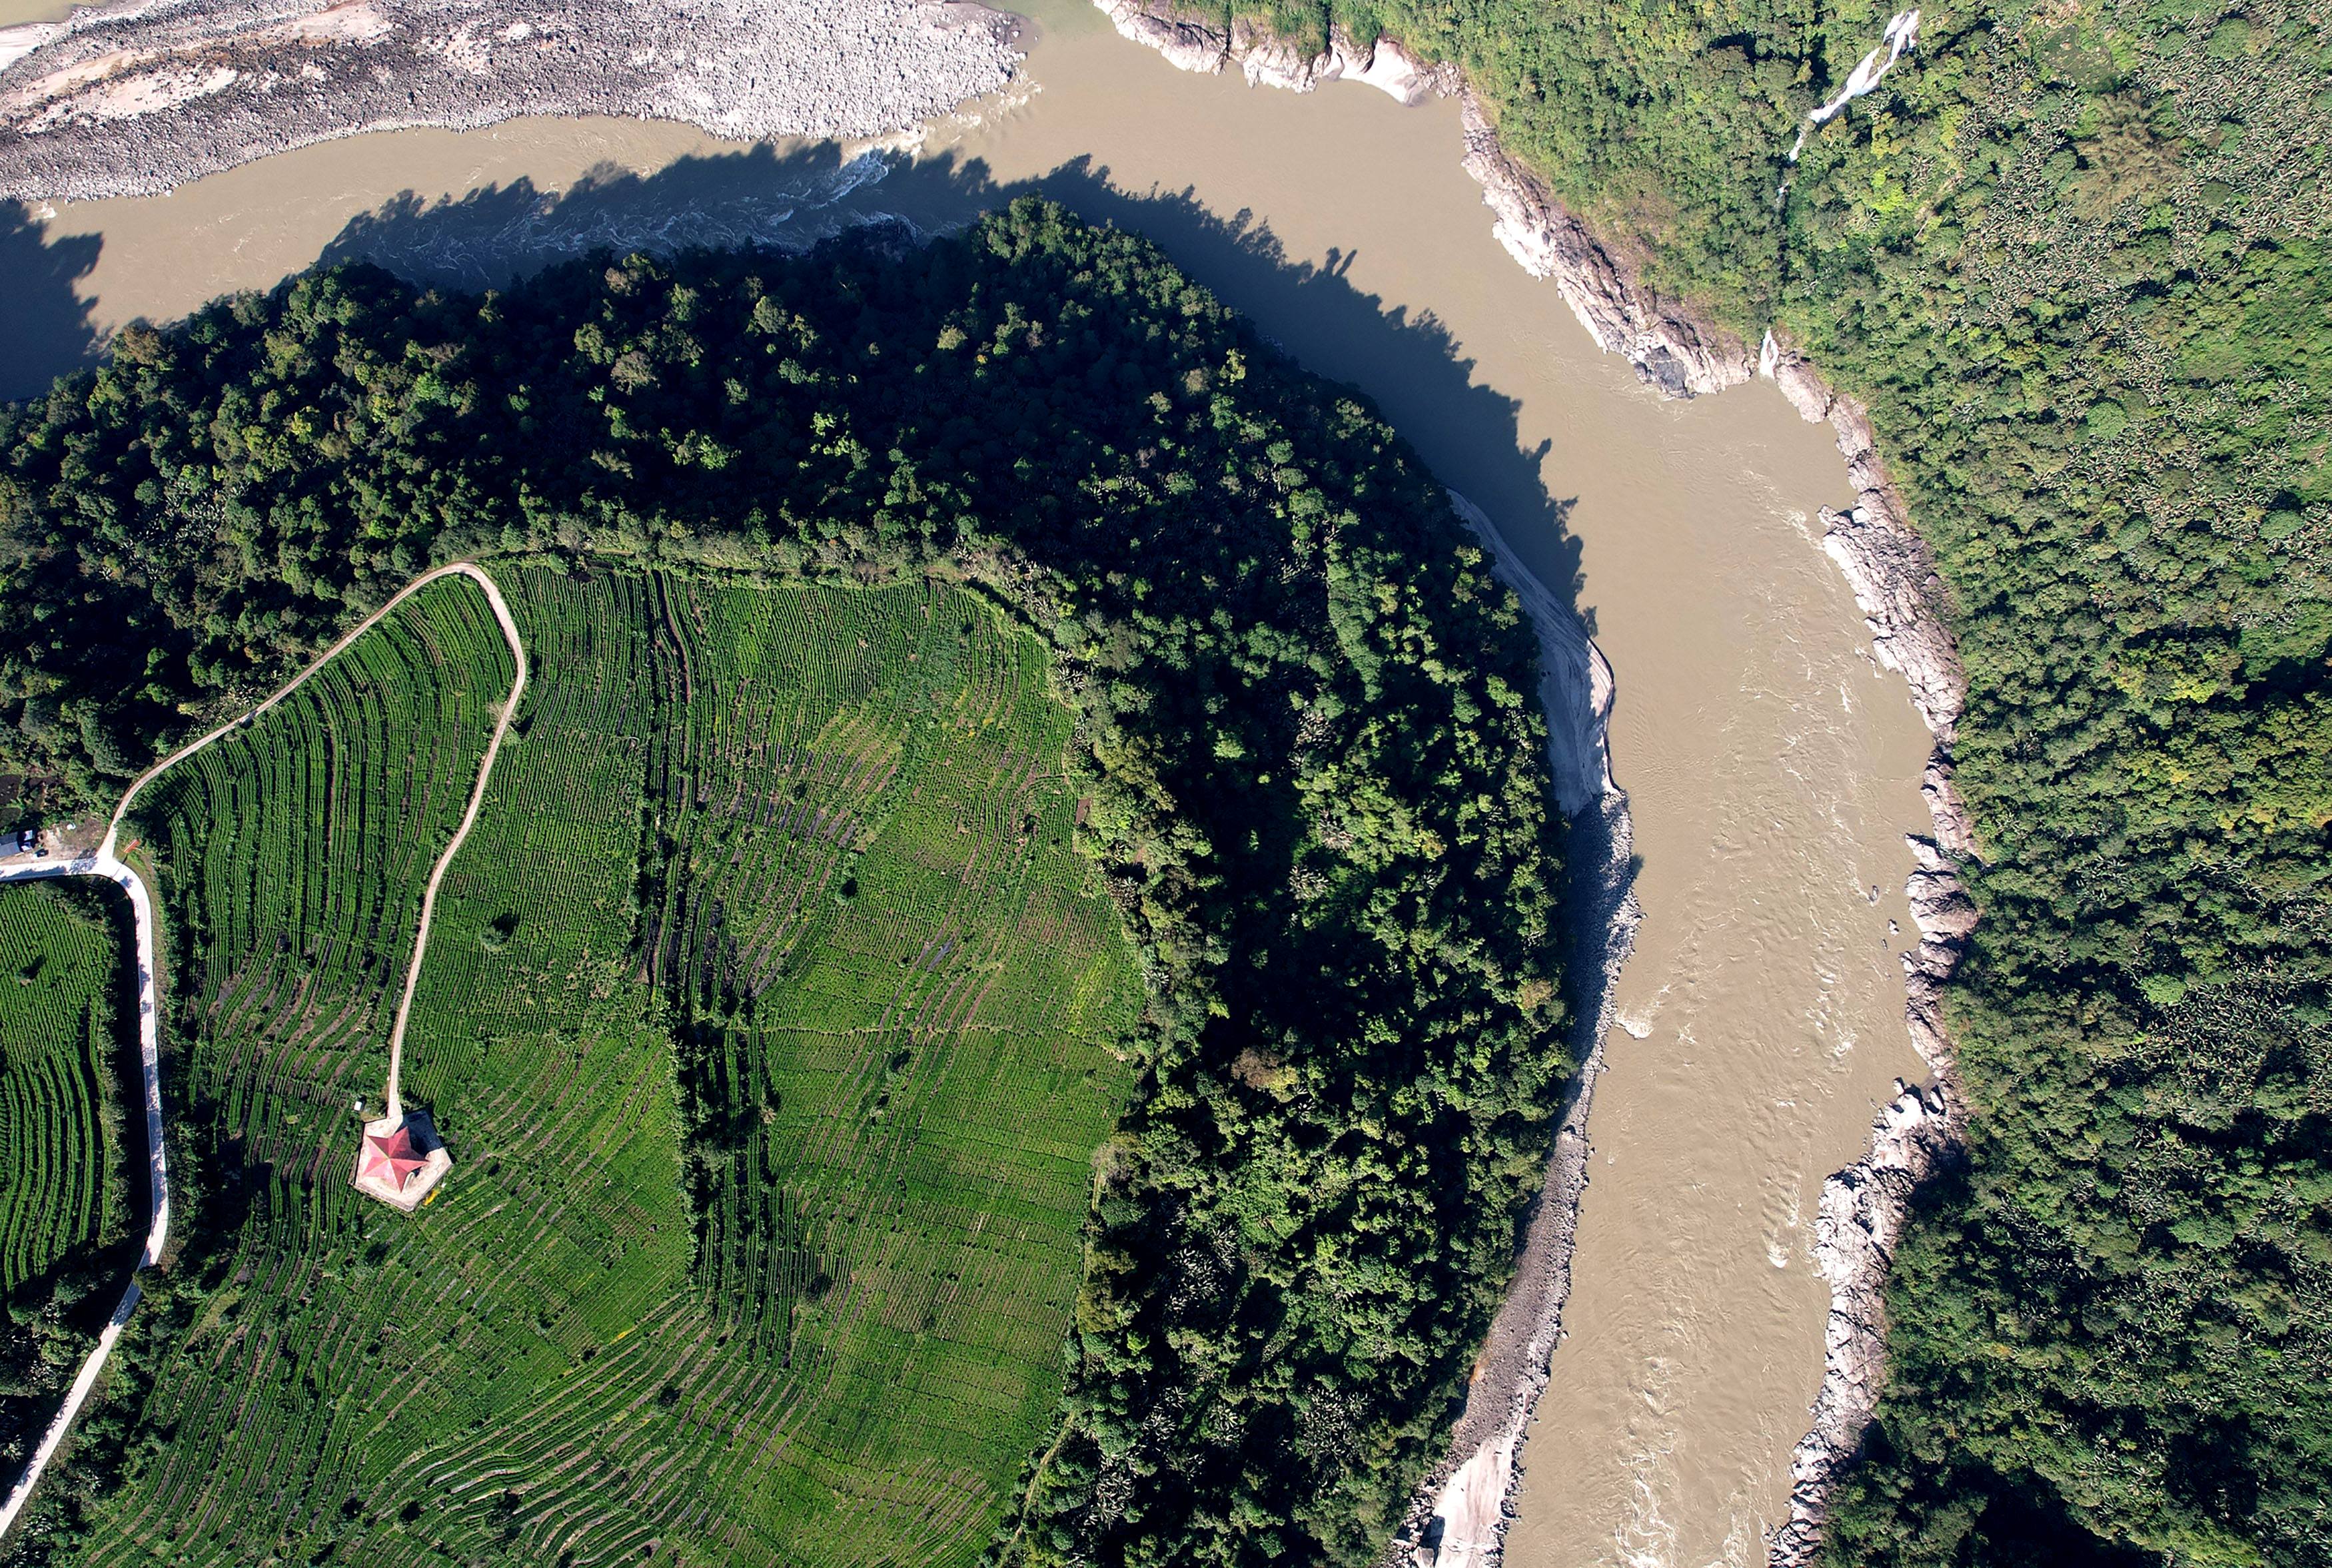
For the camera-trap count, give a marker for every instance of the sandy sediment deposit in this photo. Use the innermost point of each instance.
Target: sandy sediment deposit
(136, 97)
(1460, 1515)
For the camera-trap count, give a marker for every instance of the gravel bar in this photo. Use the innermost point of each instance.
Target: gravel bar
(136, 97)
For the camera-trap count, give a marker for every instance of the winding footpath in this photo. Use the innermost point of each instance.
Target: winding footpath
(104, 862)
(469, 818)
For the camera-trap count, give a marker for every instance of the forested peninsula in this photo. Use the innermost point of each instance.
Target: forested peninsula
(1312, 773)
(2072, 259)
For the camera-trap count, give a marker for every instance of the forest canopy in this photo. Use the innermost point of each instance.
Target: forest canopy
(1312, 776)
(2073, 257)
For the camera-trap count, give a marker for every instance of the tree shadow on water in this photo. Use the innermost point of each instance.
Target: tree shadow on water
(1408, 364)
(44, 325)
(490, 236)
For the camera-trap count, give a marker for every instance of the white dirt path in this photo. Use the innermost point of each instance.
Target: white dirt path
(103, 863)
(469, 817)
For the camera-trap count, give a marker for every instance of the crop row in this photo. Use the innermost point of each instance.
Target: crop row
(60, 1135)
(893, 1165)
(290, 856)
(809, 850)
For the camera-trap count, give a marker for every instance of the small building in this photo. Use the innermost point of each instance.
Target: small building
(400, 1160)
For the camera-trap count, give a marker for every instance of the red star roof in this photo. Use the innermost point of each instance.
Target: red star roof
(392, 1158)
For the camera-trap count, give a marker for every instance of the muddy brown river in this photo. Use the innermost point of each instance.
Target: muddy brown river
(1771, 766)
(14, 11)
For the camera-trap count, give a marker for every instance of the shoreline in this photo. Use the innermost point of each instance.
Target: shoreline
(136, 97)
(1474, 1488)
(1470, 1493)
(1924, 1127)
(1893, 577)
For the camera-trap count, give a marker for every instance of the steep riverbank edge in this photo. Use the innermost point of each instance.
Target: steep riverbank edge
(1459, 1513)
(135, 97)
(1892, 575)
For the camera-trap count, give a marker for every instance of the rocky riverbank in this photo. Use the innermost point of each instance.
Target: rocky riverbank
(1680, 356)
(1268, 62)
(1459, 1518)
(138, 97)
(1669, 349)
(1863, 1207)
(1893, 576)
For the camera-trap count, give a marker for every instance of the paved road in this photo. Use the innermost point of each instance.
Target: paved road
(103, 863)
(141, 905)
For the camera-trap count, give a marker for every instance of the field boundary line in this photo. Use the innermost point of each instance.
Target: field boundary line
(103, 863)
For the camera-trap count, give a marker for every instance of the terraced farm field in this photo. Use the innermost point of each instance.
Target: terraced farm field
(771, 1021)
(66, 1231)
(289, 859)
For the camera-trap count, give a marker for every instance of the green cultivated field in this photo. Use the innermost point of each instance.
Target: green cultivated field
(65, 1196)
(59, 1105)
(289, 859)
(771, 1021)
(776, 1008)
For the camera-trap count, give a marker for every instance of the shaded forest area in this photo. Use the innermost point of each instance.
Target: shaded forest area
(1309, 765)
(2073, 257)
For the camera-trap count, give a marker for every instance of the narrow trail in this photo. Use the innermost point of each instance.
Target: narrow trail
(104, 862)
(469, 818)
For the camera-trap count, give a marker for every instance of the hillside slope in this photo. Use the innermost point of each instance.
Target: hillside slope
(1306, 773)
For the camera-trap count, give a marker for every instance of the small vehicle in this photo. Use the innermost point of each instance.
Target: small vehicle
(25, 841)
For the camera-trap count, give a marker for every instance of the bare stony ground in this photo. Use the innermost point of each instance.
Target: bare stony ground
(133, 99)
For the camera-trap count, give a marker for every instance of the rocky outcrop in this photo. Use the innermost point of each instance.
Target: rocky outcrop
(1576, 685)
(1893, 578)
(1889, 565)
(1862, 1213)
(1864, 1206)
(1269, 62)
(1893, 575)
(133, 99)
(1680, 356)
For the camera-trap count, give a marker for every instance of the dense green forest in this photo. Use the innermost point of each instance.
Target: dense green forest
(1307, 764)
(2073, 256)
